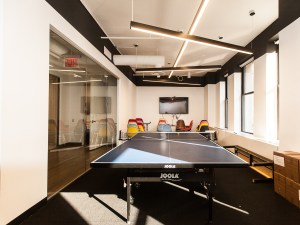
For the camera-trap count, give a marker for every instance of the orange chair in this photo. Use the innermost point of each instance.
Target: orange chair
(144, 125)
(186, 128)
(140, 124)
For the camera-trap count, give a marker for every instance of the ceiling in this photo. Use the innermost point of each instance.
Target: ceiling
(227, 18)
(87, 70)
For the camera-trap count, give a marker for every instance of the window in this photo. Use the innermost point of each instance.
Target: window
(248, 97)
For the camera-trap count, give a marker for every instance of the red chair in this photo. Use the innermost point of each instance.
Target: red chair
(140, 124)
(180, 125)
(186, 128)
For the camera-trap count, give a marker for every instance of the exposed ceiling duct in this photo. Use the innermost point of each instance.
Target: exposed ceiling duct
(133, 60)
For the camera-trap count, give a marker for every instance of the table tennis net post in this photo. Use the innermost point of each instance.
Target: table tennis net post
(124, 136)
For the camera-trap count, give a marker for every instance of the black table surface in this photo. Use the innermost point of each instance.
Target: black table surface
(168, 150)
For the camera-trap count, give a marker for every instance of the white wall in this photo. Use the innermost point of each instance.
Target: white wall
(24, 99)
(263, 141)
(265, 97)
(220, 104)
(234, 102)
(127, 102)
(289, 100)
(147, 102)
(1, 81)
(259, 125)
(257, 145)
(24, 108)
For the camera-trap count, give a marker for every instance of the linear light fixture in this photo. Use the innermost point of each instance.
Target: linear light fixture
(181, 68)
(192, 29)
(131, 38)
(170, 82)
(66, 70)
(198, 16)
(74, 82)
(187, 37)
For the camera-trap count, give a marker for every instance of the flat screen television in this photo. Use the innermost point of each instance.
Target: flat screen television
(173, 105)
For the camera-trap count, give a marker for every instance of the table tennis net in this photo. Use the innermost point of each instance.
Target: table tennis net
(162, 136)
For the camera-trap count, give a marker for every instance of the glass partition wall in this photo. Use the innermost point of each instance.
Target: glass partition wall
(82, 113)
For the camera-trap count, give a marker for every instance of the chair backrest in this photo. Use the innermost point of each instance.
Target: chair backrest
(203, 126)
(141, 127)
(180, 124)
(162, 121)
(132, 127)
(140, 120)
(140, 124)
(164, 128)
(191, 125)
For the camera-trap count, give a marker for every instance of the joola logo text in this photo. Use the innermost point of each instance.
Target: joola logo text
(169, 176)
(170, 166)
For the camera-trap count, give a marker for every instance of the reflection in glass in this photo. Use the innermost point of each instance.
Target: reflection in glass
(82, 112)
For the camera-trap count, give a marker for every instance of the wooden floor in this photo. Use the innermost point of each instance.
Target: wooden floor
(67, 164)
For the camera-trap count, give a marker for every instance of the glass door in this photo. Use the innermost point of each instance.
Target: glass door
(97, 106)
(82, 113)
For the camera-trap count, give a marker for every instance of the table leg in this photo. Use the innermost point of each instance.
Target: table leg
(210, 204)
(128, 199)
(210, 194)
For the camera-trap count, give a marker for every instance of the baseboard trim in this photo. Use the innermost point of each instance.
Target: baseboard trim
(28, 212)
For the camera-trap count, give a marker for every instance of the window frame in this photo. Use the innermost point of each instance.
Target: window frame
(226, 102)
(243, 94)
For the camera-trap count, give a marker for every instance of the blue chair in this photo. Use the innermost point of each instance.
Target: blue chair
(164, 128)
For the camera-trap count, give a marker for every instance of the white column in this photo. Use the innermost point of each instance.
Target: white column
(1, 74)
(289, 101)
(259, 124)
(220, 104)
(210, 103)
(234, 102)
(265, 96)
(206, 102)
(271, 97)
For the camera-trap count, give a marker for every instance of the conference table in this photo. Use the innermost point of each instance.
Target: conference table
(169, 157)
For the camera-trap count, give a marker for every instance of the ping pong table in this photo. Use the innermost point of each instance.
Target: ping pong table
(173, 157)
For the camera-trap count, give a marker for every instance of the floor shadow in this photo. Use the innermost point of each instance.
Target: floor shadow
(108, 207)
(161, 203)
(57, 211)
